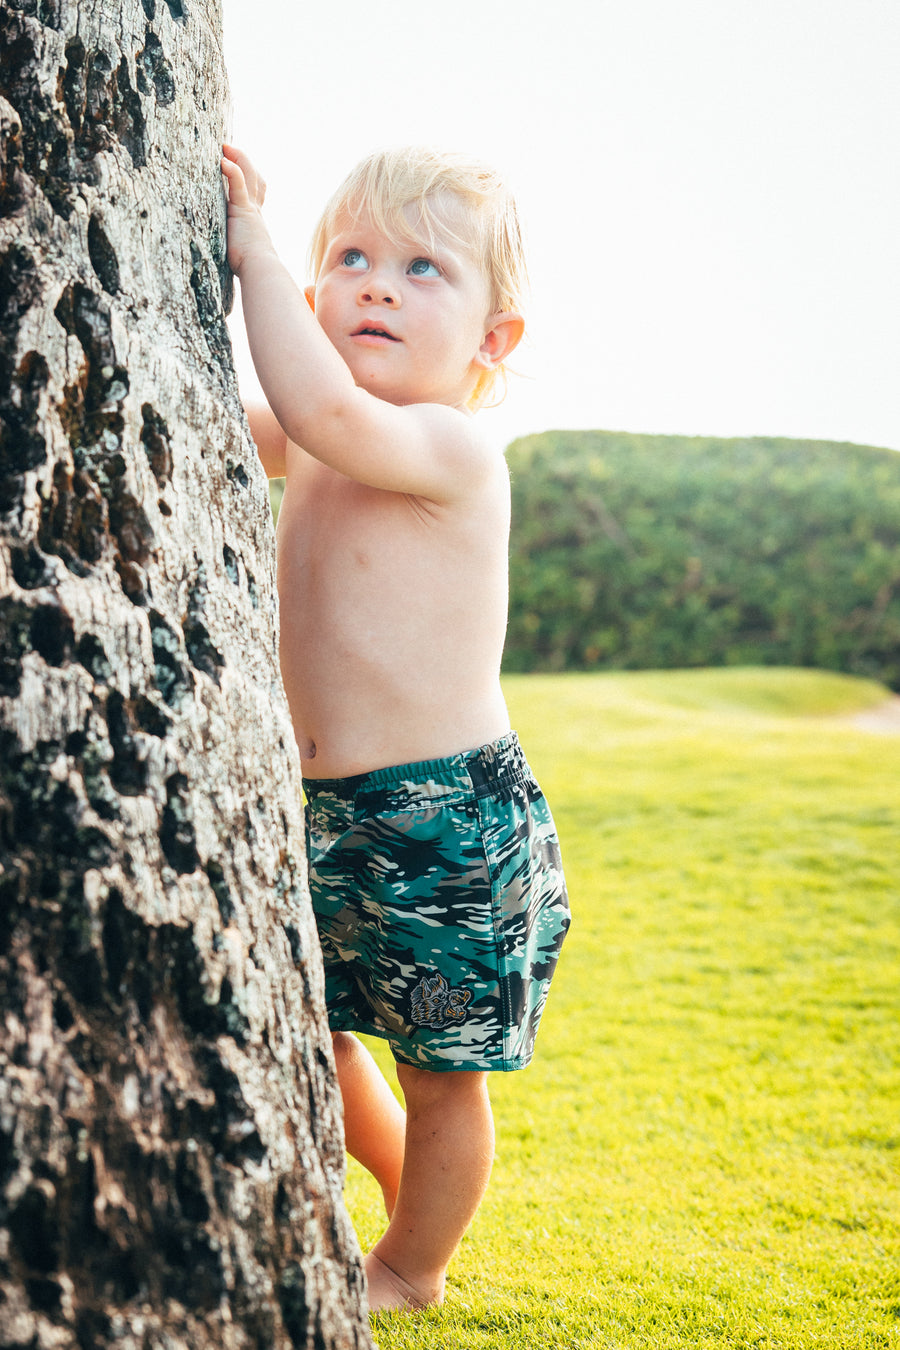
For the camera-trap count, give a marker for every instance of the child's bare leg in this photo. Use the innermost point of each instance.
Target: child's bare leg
(447, 1164)
(374, 1121)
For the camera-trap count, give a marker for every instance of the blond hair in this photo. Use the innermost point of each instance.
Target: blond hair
(399, 191)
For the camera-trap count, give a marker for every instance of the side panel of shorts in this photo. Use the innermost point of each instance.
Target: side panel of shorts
(530, 905)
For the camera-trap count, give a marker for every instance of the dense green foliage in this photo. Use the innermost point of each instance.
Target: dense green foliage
(633, 552)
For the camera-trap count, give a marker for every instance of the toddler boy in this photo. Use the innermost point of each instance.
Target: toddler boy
(433, 861)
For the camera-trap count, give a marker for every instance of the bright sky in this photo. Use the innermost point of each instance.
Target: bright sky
(710, 188)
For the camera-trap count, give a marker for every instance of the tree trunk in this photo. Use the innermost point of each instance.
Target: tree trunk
(171, 1157)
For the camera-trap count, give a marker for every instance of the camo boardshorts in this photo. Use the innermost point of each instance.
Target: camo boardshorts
(441, 905)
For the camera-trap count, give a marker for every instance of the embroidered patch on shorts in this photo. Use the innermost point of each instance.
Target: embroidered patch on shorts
(435, 1004)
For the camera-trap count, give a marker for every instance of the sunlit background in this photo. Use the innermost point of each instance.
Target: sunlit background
(711, 189)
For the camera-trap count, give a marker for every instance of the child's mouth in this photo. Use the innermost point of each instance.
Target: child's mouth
(375, 333)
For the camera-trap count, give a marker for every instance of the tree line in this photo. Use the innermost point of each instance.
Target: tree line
(632, 551)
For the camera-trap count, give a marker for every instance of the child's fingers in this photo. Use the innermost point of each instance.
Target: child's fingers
(253, 181)
(237, 184)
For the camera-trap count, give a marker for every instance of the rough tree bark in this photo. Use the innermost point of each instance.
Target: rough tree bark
(170, 1145)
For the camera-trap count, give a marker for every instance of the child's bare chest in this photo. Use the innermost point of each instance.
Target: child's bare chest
(333, 527)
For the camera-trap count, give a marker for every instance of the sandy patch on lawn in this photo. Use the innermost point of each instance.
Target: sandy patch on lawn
(885, 718)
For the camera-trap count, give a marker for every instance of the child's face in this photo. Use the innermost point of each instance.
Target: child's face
(408, 318)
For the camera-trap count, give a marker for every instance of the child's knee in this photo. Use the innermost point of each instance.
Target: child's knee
(345, 1046)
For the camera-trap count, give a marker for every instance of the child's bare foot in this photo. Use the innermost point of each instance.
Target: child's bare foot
(389, 1293)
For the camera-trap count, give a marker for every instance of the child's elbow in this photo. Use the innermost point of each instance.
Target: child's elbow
(273, 459)
(269, 439)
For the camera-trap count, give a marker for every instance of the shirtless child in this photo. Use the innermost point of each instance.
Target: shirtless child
(434, 865)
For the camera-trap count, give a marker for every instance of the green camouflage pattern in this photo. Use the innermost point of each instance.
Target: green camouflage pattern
(441, 906)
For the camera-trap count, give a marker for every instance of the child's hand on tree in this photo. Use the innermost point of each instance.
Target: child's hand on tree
(246, 193)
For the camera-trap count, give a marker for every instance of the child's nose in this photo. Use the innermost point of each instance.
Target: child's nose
(379, 290)
(373, 296)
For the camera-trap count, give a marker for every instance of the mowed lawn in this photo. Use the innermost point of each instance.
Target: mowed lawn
(706, 1150)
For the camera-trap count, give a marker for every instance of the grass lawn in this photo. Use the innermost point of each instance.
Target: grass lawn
(705, 1151)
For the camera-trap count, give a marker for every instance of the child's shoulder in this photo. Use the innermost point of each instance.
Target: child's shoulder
(460, 459)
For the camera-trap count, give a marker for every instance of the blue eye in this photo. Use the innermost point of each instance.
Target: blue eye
(353, 258)
(423, 267)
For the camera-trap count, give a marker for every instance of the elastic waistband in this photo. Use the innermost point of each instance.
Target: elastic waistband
(428, 782)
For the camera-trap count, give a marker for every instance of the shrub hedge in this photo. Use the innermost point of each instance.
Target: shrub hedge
(635, 551)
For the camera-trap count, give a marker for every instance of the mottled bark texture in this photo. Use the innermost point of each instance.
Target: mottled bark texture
(170, 1144)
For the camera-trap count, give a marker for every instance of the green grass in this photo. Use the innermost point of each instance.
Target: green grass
(705, 1151)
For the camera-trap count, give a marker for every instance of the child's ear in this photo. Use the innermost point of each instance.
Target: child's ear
(502, 335)
(310, 293)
